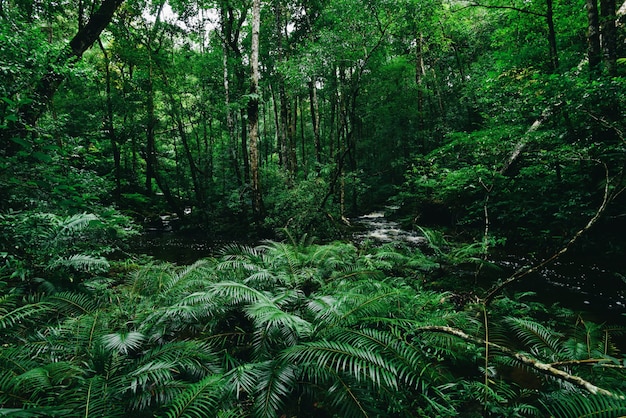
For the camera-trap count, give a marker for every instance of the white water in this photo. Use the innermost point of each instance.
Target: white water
(377, 228)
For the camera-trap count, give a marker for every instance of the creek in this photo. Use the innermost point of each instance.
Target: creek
(595, 286)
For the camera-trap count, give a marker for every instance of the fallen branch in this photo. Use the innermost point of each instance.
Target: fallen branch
(537, 365)
(526, 271)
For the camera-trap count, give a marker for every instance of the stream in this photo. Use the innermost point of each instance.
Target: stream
(596, 286)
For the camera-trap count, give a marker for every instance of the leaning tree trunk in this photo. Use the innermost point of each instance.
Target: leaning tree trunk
(83, 40)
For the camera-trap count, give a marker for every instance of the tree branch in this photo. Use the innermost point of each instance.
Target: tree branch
(83, 40)
(537, 365)
(526, 271)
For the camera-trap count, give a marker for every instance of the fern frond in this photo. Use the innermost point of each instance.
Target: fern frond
(357, 362)
(82, 262)
(23, 314)
(536, 336)
(237, 293)
(275, 384)
(199, 400)
(71, 303)
(75, 223)
(583, 405)
(123, 342)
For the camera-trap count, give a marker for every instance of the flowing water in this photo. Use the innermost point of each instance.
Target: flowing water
(596, 286)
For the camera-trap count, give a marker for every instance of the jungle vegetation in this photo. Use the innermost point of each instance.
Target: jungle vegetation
(493, 127)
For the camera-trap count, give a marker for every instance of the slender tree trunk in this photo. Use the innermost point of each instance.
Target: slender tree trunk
(315, 121)
(608, 30)
(253, 112)
(594, 51)
(554, 57)
(302, 140)
(110, 126)
(230, 123)
(150, 135)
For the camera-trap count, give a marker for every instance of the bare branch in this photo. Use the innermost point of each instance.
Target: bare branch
(544, 368)
(526, 271)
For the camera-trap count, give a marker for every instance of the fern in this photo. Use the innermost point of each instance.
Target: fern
(82, 262)
(198, 400)
(71, 303)
(123, 342)
(275, 384)
(540, 339)
(572, 404)
(22, 314)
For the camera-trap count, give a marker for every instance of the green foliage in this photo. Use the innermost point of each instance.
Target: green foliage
(62, 249)
(290, 329)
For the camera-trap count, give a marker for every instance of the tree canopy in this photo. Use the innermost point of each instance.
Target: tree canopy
(490, 127)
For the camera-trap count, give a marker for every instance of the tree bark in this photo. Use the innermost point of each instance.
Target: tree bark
(594, 51)
(608, 32)
(554, 56)
(253, 112)
(315, 121)
(227, 30)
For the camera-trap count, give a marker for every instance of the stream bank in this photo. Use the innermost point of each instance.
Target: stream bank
(596, 285)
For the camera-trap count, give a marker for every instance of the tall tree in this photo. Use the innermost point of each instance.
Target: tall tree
(253, 112)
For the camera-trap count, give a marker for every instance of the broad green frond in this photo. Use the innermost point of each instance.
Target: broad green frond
(82, 262)
(536, 336)
(123, 342)
(360, 363)
(236, 293)
(266, 314)
(23, 313)
(198, 400)
(584, 405)
(75, 223)
(274, 385)
(71, 303)
(242, 379)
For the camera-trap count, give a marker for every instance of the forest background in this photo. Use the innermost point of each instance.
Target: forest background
(492, 128)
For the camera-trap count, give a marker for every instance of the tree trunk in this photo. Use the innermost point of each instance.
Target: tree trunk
(554, 57)
(230, 124)
(150, 136)
(253, 112)
(110, 126)
(594, 51)
(608, 31)
(315, 121)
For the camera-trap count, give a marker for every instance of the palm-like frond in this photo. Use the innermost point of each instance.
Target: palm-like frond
(274, 386)
(73, 224)
(199, 400)
(237, 293)
(584, 405)
(73, 304)
(123, 342)
(360, 363)
(538, 338)
(81, 262)
(23, 314)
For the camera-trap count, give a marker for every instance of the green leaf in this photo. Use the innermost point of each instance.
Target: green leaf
(44, 158)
